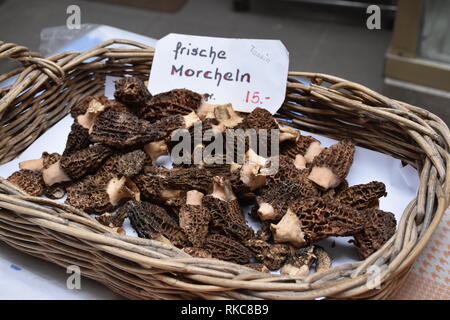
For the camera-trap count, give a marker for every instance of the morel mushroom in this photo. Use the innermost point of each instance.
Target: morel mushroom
(378, 229)
(299, 264)
(77, 165)
(189, 178)
(225, 211)
(275, 198)
(271, 255)
(313, 219)
(29, 181)
(100, 193)
(95, 107)
(332, 165)
(225, 248)
(194, 218)
(151, 184)
(304, 149)
(45, 161)
(174, 102)
(323, 259)
(287, 171)
(150, 220)
(127, 164)
(113, 220)
(363, 196)
(262, 119)
(78, 139)
(82, 106)
(123, 130)
(132, 92)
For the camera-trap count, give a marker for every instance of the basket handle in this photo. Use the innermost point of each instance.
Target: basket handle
(27, 57)
(16, 52)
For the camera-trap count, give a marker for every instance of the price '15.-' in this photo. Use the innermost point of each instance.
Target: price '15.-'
(255, 97)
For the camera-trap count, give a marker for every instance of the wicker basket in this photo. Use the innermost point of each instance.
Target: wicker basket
(146, 269)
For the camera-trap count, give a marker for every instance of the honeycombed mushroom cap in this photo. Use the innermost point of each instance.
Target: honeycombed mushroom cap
(380, 226)
(29, 181)
(225, 248)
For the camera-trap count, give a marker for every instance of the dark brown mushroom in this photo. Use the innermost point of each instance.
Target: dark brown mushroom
(332, 165)
(174, 102)
(275, 198)
(76, 165)
(225, 248)
(78, 139)
(194, 218)
(299, 264)
(132, 92)
(362, 196)
(100, 193)
(379, 227)
(121, 130)
(113, 220)
(150, 220)
(271, 255)
(313, 219)
(225, 211)
(125, 164)
(304, 149)
(28, 181)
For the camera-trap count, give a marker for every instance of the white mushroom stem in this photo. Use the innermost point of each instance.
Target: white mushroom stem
(293, 271)
(35, 164)
(226, 115)
(206, 110)
(54, 174)
(324, 177)
(222, 189)
(288, 229)
(194, 198)
(123, 188)
(171, 194)
(94, 109)
(313, 150)
(288, 134)
(254, 158)
(190, 119)
(266, 211)
(156, 149)
(300, 162)
(251, 177)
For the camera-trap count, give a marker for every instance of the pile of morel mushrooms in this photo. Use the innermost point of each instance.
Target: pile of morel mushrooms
(108, 168)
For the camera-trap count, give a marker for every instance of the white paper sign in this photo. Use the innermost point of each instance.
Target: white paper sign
(247, 73)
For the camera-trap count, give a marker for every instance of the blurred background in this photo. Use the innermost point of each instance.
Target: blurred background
(407, 58)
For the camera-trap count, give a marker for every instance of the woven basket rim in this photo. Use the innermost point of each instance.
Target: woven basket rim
(208, 277)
